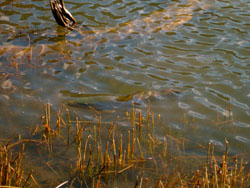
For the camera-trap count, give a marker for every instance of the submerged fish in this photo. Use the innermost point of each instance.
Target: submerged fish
(109, 103)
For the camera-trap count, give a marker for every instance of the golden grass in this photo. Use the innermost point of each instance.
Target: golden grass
(11, 171)
(99, 154)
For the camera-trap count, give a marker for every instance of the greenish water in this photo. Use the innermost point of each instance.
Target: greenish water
(198, 47)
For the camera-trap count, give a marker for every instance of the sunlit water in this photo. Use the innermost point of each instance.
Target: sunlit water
(198, 47)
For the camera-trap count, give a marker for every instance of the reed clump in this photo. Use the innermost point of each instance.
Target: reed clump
(97, 153)
(11, 172)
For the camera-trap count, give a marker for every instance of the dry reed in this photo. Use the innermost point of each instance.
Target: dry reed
(104, 154)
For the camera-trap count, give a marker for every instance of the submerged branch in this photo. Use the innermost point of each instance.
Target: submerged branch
(62, 16)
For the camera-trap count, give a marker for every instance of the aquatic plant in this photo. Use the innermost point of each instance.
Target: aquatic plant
(94, 153)
(11, 170)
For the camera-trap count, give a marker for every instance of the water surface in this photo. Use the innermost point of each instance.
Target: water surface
(200, 48)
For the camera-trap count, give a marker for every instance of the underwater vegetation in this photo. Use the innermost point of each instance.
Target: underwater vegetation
(67, 151)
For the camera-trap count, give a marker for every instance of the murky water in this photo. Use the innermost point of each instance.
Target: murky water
(200, 48)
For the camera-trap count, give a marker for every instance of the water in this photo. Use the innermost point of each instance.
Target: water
(200, 48)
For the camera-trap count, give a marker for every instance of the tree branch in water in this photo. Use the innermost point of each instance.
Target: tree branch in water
(62, 16)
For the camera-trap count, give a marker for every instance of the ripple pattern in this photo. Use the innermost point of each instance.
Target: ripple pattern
(198, 47)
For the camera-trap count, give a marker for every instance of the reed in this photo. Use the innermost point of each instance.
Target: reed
(148, 114)
(11, 172)
(99, 154)
(68, 125)
(140, 124)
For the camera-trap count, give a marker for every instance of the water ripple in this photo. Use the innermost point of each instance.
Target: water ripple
(198, 47)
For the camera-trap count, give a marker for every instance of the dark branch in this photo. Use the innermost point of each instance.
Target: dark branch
(62, 16)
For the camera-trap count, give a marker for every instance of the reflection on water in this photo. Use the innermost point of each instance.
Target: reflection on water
(198, 47)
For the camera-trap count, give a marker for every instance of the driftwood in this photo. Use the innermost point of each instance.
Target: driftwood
(62, 16)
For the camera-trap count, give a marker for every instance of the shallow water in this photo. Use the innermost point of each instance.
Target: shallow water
(198, 47)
